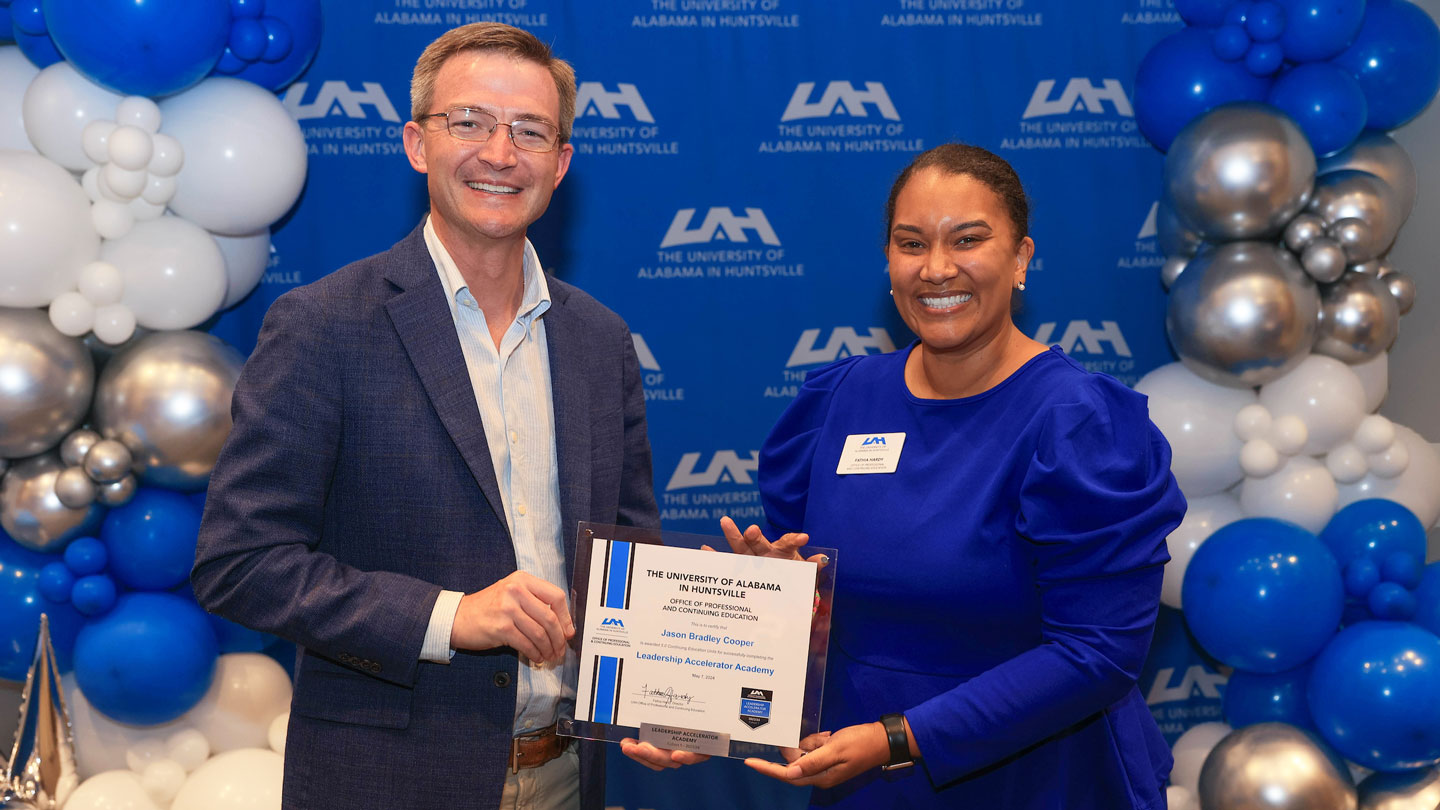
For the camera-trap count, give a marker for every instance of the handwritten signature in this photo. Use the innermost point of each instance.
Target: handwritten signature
(667, 696)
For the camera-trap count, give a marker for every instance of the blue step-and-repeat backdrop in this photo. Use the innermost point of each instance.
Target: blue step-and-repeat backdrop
(732, 163)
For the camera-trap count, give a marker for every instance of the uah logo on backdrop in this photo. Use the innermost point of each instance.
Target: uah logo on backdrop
(368, 122)
(652, 375)
(713, 14)
(1146, 255)
(723, 245)
(706, 489)
(1077, 113)
(810, 351)
(831, 124)
(1151, 12)
(616, 122)
(1101, 348)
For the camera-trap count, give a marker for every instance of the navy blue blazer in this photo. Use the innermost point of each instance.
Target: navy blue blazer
(357, 483)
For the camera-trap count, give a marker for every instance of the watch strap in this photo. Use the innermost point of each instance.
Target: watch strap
(899, 742)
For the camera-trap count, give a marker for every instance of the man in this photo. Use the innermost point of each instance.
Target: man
(416, 438)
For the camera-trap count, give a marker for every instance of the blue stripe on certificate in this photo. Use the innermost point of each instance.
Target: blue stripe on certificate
(617, 576)
(606, 689)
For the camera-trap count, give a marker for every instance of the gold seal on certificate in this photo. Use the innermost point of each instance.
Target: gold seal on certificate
(717, 653)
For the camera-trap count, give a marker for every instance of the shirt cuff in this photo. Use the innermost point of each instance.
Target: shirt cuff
(437, 635)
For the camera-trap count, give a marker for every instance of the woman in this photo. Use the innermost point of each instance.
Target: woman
(998, 589)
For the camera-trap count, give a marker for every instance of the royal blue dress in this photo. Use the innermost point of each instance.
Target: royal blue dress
(999, 588)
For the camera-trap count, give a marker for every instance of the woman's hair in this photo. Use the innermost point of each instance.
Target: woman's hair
(983, 165)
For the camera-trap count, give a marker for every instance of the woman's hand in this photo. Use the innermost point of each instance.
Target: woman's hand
(658, 759)
(825, 760)
(752, 542)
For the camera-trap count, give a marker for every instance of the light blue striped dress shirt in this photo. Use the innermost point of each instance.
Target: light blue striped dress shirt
(512, 387)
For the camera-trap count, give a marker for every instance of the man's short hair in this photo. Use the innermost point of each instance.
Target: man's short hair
(499, 38)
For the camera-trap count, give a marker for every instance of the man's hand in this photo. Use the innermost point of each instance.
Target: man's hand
(658, 759)
(520, 611)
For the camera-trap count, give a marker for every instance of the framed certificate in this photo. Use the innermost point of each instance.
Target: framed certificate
(705, 651)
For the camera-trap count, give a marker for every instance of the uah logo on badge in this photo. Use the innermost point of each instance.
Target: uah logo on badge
(870, 453)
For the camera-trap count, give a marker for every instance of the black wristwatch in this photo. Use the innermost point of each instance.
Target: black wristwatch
(899, 742)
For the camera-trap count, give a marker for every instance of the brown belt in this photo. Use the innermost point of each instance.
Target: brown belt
(536, 748)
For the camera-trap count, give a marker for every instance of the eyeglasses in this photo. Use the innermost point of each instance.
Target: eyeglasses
(469, 124)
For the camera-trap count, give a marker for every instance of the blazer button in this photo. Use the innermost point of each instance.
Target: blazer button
(502, 679)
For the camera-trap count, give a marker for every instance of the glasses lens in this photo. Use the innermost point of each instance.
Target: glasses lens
(534, 136)
(470, 125)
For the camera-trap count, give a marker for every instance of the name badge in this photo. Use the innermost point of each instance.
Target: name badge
(870, 453)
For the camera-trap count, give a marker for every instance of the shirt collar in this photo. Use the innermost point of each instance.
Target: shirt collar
(533, 302)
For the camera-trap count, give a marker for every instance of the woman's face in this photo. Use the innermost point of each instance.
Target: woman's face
(953, 260)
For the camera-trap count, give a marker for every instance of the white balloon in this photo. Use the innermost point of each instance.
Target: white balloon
(101, 743)
(130, 148)
(1202, 517)
(1289, 434)
(90, 184)
(1417, 488)
(1346, 464)
(1190, 751)
(111, 790)
(1323, 393)
(95, 140)
(101, 283)
(1375, 434)
(1301, 492)
(58, 104)
(126, 183)
(143, 753)
(1259, 458)
(247, 779)
(16, 73)
(1252, 422)
(1197, 417)
(140, 112)
(279, 730)
(244, 155)
(246, 258)
(174, 273)
(72, 314)
(158, 190)
(1390, 462)
(168, 156)
(114, 323)
(249, 691)
(46, 234)
(1179, 798)
(1374, 374)
(144, 210)
(112, 220)
(188, 748)
(162, 780)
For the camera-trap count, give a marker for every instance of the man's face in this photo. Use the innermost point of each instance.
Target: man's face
(482, 193)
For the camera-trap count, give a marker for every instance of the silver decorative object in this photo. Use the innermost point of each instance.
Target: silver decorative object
(1350, 194)
(1323, 259)
(1352, 234)
(117, 493)
(1410, 790)
(1402, 289)
(1379, 154)
(167, 398)
(31, 512)
(1242, 314)
(1240, 171)
(1171, 269)
(74, 447)
(1359, 318)
(1273, 766)
(1174, 236)
(74, 488)
(108, 461)
(43, 777)
(46, 380)
(1378, 268)
(1302, 229)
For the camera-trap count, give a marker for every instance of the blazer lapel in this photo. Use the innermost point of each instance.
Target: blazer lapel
(422, 319)
(565, 336)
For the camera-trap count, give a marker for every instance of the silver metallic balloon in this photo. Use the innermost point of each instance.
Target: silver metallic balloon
(1379, 154)
(1174, 236)
(117, 493)
(1360, 195)
(1240, 171)
(1359, 318)
(1352, 234)
(1242, 314)
(74, 488)
(1323, 259)
(167, 398)
(1402, 288)
(1302, 229)
(46, 380)
(74, 447)
(44, 776)
(1172, 268)
(1409, 790)
(1378, 268)
(108, 461)
(1272, 766)
(32, 513)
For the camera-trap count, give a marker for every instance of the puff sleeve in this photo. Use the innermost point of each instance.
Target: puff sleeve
(788, 454)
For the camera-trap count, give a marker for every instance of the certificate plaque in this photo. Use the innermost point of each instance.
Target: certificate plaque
(707, 651)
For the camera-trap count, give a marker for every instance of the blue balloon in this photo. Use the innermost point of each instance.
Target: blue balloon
(1402, 569)
(1230, 42)
(1319, 29)
(1396, 58)
(1239, 14)
(40, 50)
(1325, 101)
(93, 595)
(152, 539)
(235, 638)
(153, 48)
(292, 29)
(1374, 528)
(1181, 78)
(21, 604)
(7, 28)
(1263, 59)
(1392, 602)
(1361, 575)
(148, 661)
(1265, 22)
(1263, 595)
(86, 555)
(1257, 697)
(1427, 600)
(56, 580)
(1203, 13)
(1374, 693)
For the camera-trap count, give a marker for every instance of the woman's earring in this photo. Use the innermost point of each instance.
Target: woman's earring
(1020, 286)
